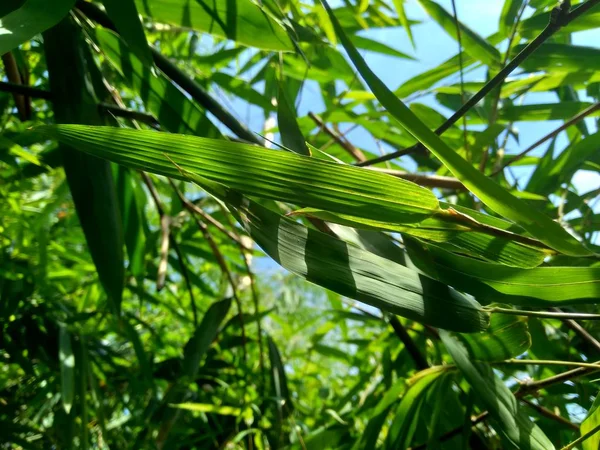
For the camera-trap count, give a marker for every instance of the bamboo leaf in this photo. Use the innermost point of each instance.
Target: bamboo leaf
(510, 9)
(239, 20)
(377, 47)
(124, 14)
(490, 193)
(31, 18)
(67, 368)
(257, 172)
(406, 415)
(399, 6)
(493, 395)
(291, 135)
(358, 274)
(90, 179)
(209, 408)
(541, 286)
(589, 423)
(205, 333)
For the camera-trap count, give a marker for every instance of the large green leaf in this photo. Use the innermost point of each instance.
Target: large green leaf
(353, 272)
(256, 171)
(375, 200)
(490, 193)
(33, 17)
(239, 20)
(493, 394)
(90, 179)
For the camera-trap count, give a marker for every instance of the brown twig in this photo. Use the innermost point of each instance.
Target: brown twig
(572, 121)
(165, 233)
(496, 101)
(130, 114)
(246, 256)
(173, 242)
(409, 344)
(549, 414)
(462, 78)
(22, 89)
(582, 332)
(14, 76)
(355, 152)
(220, 261)
(436, 181)
(192, 207)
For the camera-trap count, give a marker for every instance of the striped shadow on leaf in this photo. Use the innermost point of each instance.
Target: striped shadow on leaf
(355, 273)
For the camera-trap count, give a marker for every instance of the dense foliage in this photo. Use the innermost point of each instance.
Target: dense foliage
(441, 276)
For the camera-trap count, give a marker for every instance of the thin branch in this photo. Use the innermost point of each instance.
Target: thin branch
(587, 435)
(559, 18)
(496, 101)
(22, 102)
(201, 96)
(173, 242)
(355, 152)
(544, 314)
(528, 387)
(436, 181)
(220, 261)
(462, 77)
(130, 114)
(246, 256)
(22, 89)
(416, 148)
(191, 206)
(165, 233)
(550, 415)
(543, 362)
(572, 121)
(582, 332)
(409, 344)
(178, 76)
